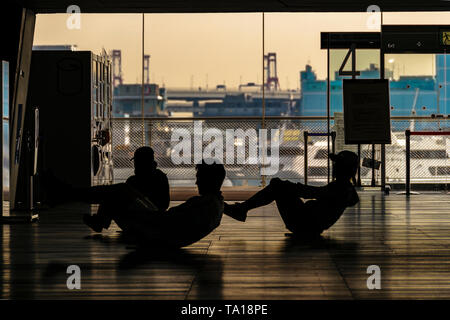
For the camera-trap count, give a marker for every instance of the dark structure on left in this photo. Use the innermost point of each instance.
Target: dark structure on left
(74, 103)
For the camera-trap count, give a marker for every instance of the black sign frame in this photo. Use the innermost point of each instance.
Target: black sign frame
(367, 117)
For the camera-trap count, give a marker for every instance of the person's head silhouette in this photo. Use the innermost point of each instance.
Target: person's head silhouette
(345, 165)
(210, 176)
(144, 160)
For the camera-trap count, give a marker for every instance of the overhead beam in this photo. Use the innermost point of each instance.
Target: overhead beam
(185, 6)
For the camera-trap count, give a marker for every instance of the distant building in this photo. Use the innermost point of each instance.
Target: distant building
(410, 95)
(128, 97)
(57, 47)
(244, 104)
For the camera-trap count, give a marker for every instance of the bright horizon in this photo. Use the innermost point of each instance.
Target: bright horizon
(199, 50)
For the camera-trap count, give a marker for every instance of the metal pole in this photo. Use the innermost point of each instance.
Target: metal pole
(382, 76)
(263, 120)
(373, 165)
(333, 150)
(333, 142)
(328, 108)
(142, 88)
(358, 183)
(383, 167)
(359, 146)
(408, 162)
(305, 169)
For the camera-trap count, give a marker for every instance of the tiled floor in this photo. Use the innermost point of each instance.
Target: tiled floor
(409, 239)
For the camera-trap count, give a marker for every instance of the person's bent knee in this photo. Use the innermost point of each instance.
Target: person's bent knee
(280, 187)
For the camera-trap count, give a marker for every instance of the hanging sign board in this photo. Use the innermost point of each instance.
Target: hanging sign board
(367, 111)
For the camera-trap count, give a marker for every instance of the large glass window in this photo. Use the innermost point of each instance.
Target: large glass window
(176, 73)
(5, 127)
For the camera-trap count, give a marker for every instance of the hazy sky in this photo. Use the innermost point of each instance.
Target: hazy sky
(201, 49)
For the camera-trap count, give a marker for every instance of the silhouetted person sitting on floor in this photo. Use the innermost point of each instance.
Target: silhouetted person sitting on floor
(147, 182)
(184, 224)
(140, 218)
(310, 218)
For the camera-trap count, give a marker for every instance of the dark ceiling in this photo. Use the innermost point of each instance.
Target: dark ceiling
(173, 6)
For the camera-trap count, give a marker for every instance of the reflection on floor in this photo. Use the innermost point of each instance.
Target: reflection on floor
(408, 239)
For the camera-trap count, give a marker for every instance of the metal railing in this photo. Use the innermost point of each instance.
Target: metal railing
(128, 134)
(306, 136)
(433, 153)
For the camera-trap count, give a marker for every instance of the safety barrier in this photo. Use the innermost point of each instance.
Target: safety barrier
(408, 135)
(128, 135)
(307, 134)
